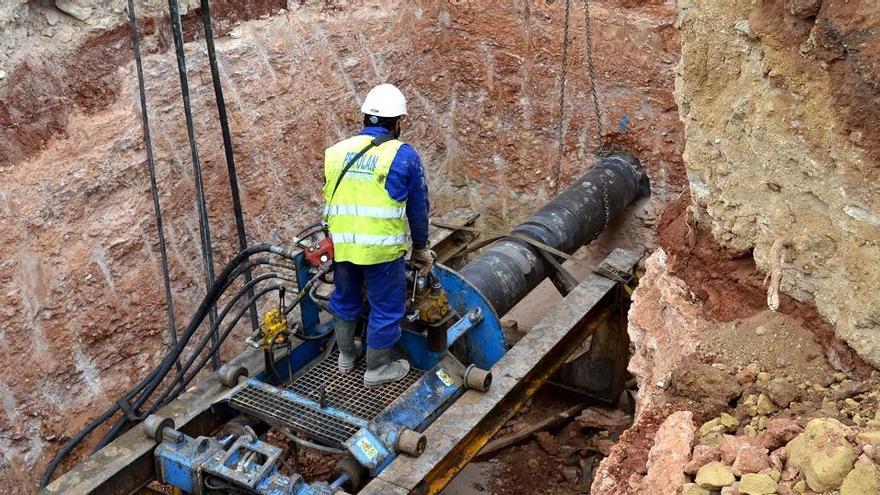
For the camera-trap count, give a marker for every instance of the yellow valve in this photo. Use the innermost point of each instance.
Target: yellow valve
(274, 330)
(433, 306)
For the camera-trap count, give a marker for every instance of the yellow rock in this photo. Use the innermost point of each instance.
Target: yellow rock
(757, 484)
(714, 476)
(694, 489)
(800, 486)
(765, 405)
(729, 422)
(822, 453)
(863, 480)
(710, 426)
(871, 437)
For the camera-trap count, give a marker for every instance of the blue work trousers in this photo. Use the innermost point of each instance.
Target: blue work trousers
(386, 292)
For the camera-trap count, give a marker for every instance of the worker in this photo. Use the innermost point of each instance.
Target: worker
(374, 188)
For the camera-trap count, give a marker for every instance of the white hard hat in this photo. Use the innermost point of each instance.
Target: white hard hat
(385, 100)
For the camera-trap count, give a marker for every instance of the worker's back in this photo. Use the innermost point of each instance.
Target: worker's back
(368, 226)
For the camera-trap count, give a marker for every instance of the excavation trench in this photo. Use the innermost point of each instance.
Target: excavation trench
(83, 313)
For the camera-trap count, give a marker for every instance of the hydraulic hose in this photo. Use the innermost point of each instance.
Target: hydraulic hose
(152, 381)
(181, 370)
(173, 390)
(320, 301)
(151, 168)
(204, 340)
(305, 289)
(204, 224)
(310, 445)
(73, 442)
(227, 145)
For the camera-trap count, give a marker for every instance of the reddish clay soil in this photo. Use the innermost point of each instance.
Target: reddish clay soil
(732, 288)
(38, 107)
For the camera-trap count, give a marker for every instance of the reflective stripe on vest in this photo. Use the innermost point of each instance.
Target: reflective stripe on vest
(364, 211)
(369, 239)
(367, 225)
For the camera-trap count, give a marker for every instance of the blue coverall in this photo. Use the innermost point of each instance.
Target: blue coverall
(386, 282)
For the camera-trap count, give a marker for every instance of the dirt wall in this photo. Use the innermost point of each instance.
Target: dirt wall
(778, 101)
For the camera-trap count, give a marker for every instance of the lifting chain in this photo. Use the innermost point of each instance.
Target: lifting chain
(594, 95)
(591, 74)
(561, 134)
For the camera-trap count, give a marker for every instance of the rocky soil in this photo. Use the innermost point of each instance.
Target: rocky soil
(779, 101)
(83, 309)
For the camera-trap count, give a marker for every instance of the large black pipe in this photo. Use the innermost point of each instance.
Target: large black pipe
(510, 268)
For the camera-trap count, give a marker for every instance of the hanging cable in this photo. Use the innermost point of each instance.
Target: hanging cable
(151, 167)
(227, 147)
(204, 226)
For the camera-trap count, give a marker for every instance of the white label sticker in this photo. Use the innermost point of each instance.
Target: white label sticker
(367, 448)
(445, 378)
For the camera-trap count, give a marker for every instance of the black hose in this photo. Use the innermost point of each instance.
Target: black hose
(173, 390)
(227, 146)
(269, 366)
(180, 382)
(197, 350)
(305, 289)
(73, 442)
(320, 336)
(310, 445)
(204, 224)
(181, 370)
(201, 345)
(117, 428)
(250, 264)
(149, 384)
(151, 167)
(321, 302)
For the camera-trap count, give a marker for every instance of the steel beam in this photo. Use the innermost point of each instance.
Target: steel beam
(463, 429)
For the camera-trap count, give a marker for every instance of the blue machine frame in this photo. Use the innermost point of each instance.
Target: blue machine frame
(246, 462)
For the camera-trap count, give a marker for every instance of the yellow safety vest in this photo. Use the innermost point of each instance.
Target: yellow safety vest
(367, 225)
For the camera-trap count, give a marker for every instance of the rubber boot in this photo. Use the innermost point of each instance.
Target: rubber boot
(348, 349)
(381, 369)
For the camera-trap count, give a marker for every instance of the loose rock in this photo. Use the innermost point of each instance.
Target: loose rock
(822, 453)
(863, 480)
(715, 476)
(751, 459)
(669, 455)
(731, 445)
(694, 489)
(757, 484)
(702, 455)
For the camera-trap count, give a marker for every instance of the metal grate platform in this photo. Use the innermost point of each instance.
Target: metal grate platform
(343, 392)
(347, 392)
(278, 410)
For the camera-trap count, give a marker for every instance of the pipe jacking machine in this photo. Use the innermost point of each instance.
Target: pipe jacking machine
(451, 335)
